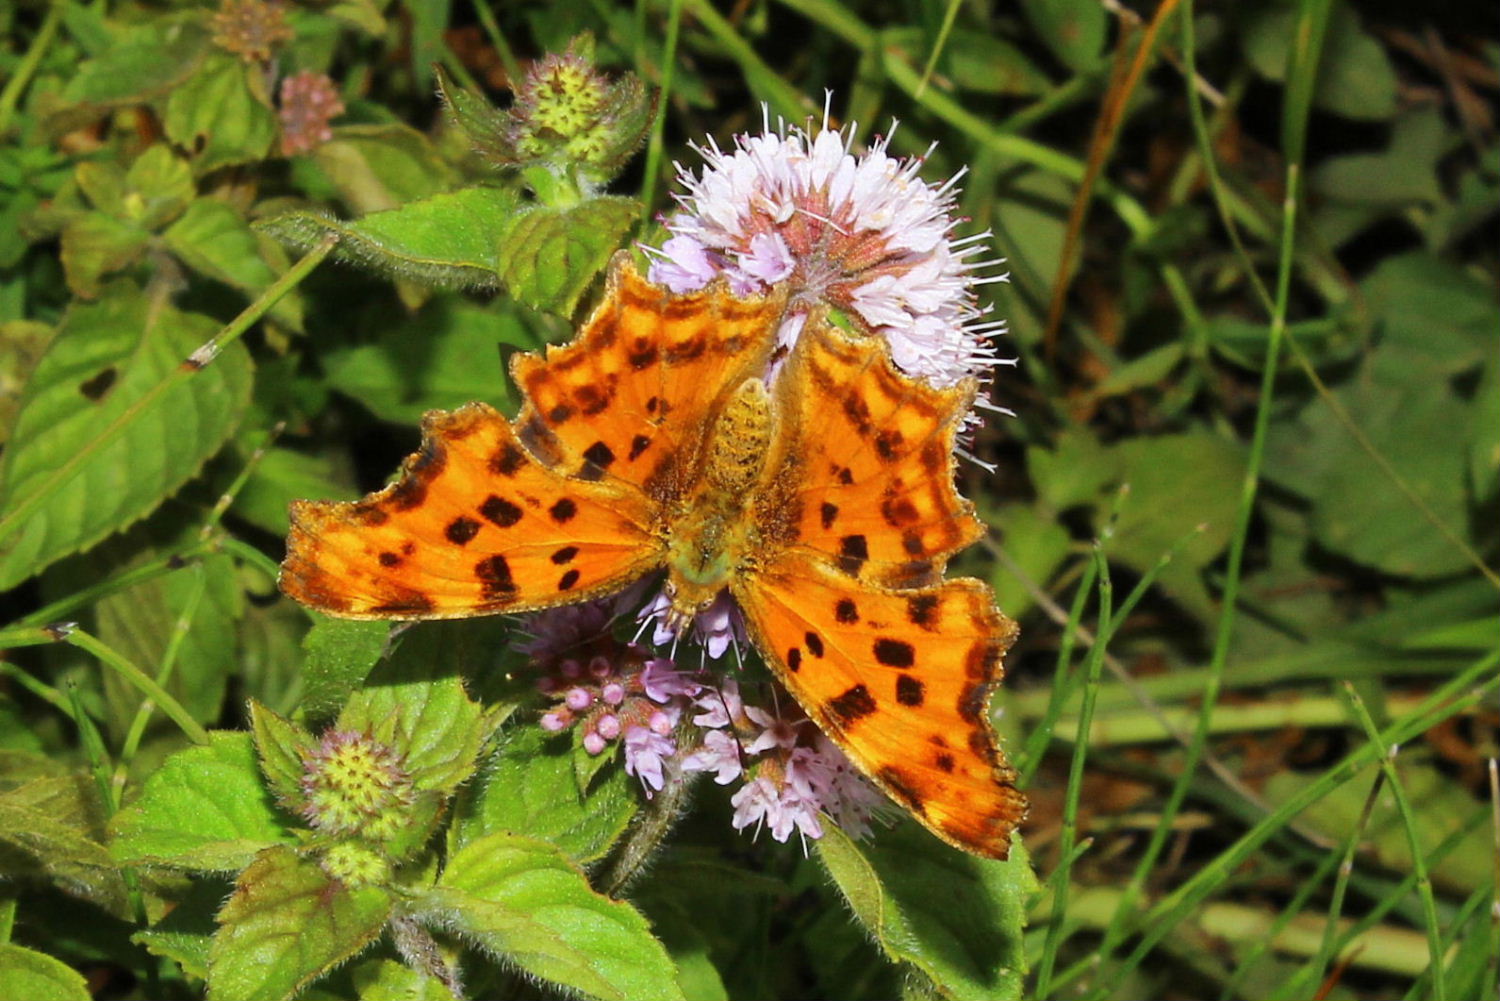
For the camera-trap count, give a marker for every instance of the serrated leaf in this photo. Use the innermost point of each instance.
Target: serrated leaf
(282, 476)
(96, 246)
(431, 721)
(50, 829)
(528, 789)
(957, 918)
(221, 114)
(186, 933)
(206, 808)
(283, 748)
(213, 240)
(340, 652)
(60, 489)
(286, 925)
(445, 356)
(549, 255)
(526, 902)
(36, 976)
(448, 240)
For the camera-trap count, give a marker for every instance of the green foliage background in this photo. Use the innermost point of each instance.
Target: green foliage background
(1245, 512)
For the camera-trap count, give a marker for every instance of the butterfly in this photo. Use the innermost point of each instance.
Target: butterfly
(823, 501)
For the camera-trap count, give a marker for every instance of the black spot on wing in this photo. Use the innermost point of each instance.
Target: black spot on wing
(828, 513)
(566, 582)
(853, 551)
(461, 529)
(390, 560)
(494, 575)
(846, 611)
(814, 643)
(500, 511)
(921, 610)
(638, 444)
(900, 785)
(563, 511)
(794, 660)
(910, 691)
(851, 706)
(888, 444)
(560, 414)
(599, 454)
(895, 653)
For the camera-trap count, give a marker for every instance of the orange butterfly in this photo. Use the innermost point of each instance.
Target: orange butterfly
(824, 503)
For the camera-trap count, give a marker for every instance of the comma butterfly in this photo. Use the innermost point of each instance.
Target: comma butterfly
(825, 504)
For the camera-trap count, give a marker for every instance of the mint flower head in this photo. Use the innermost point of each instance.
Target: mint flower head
(863, 234)
(613, 692)
(354, 785)
(250, 29)
(309, 101)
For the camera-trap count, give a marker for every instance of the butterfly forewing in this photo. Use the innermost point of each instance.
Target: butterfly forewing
(900, 679)
(634, 394)
(871, 461)
(475, 524)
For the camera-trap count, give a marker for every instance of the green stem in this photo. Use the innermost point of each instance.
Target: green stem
(163, 674)
(949, 16)
(1413, 840)
(142, 682)
(1325, 953)
(67, 469)
(658, 127)
(497, 39)
(10, 97)
(1075, 775)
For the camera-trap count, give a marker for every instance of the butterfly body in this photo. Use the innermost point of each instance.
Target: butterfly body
(824, 503)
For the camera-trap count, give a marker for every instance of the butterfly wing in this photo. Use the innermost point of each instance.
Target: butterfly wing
(868, 474)
(634, 394)
(475, 524)
(900, 679)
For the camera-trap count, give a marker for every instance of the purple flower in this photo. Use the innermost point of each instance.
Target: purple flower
(715, 628)
(779, 808)
(644, 752)
(861, 233)
(719, 754)
(309, 101)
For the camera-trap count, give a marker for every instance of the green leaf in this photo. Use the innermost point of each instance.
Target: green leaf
(205, 808)
(1075, 32)
(222, 114)
(340, 652)
(282, 476)
(186, 933)
(283, 747)
(1037, 544)
(159, 186)
(528, 789)
(51, 829)
(95, 246)
(432, 721)
(1419, 426)
(444, 357)
(142, 621)
(957, 918)
(138, 64)
(36, 976)
(380, 167)
(1074, 471)
(1355, 76)
(549, 256)
(1442, 316)
(22, 344)
(1484, 445)
(527, 903)
(286, 925)
(1405, 172)
(447, 240)
(1177, 483)
(60, 489)
(213, 240)
(388, 980)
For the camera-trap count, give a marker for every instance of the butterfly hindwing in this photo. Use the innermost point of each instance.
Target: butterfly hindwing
(900, 679)
(634, 394)
(475, 524)
(870, 455)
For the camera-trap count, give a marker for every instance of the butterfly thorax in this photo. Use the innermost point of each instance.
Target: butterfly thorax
(715, 536)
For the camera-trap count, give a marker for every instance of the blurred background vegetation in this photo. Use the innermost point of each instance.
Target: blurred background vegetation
(1245, 513)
